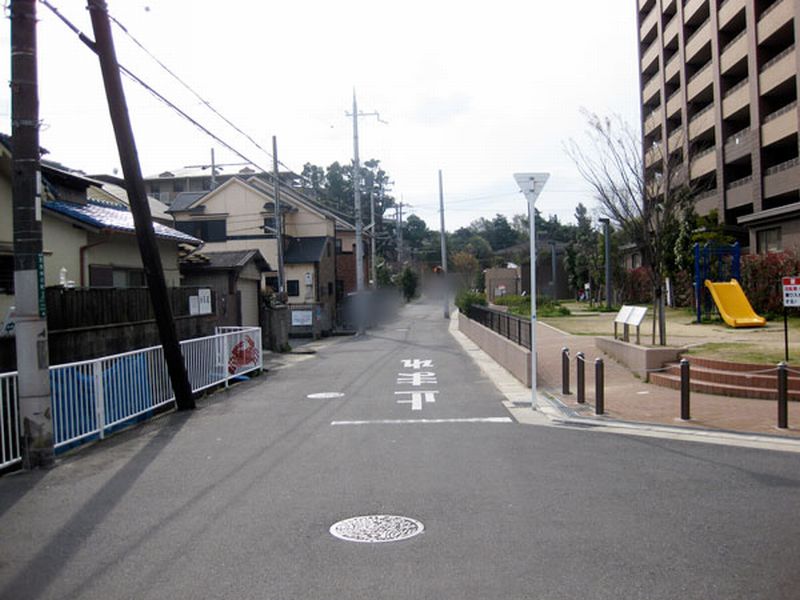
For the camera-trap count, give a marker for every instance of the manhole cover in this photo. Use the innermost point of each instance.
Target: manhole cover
(325, 395)
(376, 528)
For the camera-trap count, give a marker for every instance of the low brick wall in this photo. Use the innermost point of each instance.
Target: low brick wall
(513, 358)
(639, 359)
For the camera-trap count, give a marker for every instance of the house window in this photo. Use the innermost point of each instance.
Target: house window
(330, 288)
(208, 231)
(293, 287)
(338, 246)
(768, 240)
(6, 274)
(269, 226)
(104, 276)
(636, 261)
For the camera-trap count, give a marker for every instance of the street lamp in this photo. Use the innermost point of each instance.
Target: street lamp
(607, 234)
(531, 185)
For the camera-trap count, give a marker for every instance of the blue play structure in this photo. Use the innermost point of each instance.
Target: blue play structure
(714, 263)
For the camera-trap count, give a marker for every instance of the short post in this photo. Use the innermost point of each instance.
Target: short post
(565, 371)
(783, 393)
(599, 385)
(580, 376)
(99, 398)
(685, 390)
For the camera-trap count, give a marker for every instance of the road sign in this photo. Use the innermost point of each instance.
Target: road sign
(791, 291)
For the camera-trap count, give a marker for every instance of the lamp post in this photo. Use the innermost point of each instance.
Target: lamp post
(531, 185)
(607, 235)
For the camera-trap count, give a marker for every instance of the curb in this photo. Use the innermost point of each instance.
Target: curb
(557, 413)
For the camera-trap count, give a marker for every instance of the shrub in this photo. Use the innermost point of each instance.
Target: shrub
(637, 287)
(761, 279)
(521, 305)
(466, 298)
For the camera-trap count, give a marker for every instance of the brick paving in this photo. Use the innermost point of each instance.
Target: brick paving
(629, 398)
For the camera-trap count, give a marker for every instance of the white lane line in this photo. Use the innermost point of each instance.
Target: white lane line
(425, 421)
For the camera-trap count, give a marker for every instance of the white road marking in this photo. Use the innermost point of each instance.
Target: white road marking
(417, 398)
(416, 363)
(426, 421)
(416, 379)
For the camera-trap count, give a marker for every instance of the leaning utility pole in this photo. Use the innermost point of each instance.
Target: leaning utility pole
(400, 234)
(30, 310)
(143, 221)
(444, 249)
(278, 215)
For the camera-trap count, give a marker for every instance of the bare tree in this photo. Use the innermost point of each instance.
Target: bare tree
(645, 202)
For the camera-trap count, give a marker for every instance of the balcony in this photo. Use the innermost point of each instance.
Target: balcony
(738, 145)
(778, 70)
(651, 88)
(652, 121)
(779, 124)
(650, 55)
(674, 103)
(698, 39)
(782, 178)
(728, 10)
(699, 81)
(652, 156)
(675, 140)
(737, 98)
(703, 163)
(701, 122)
(739, 193)
(671, 30)
(690, 7)
(706, 201)
(734, 52)
(648, 24)
(775, 17)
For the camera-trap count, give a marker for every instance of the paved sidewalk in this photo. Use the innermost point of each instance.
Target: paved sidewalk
(629, 398)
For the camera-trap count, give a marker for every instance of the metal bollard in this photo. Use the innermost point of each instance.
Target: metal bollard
(580, 376)
(685, 390)
(599, 387)
(565, 371)
(783, 393)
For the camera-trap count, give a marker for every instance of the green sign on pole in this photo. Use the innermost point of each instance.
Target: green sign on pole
(40, 278)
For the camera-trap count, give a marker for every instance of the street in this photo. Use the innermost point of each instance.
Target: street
(236, 499)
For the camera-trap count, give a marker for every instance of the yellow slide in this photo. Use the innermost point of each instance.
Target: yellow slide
(733, 306)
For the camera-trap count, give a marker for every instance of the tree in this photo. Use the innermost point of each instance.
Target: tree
(584, 263)
(408, 283)
(645, 203)
(467, 267)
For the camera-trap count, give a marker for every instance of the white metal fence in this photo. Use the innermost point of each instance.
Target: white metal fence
(94, 397)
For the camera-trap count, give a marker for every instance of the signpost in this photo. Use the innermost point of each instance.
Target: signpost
(791, 298)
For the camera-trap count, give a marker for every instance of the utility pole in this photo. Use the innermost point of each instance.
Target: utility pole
(357, 200)
(372, 268)
(143, 221)
(444, 249)
(278, 215)
(213, 171)
(400, 233)
(30, 311)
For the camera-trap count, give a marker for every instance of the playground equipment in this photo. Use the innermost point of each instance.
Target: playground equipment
(733, 306)
(717, 269)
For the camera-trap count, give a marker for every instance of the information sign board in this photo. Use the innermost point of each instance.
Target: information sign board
(791, 291)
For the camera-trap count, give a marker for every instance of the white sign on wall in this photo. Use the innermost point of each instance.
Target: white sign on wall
(204, 301)
(194, 305)
(302, 318)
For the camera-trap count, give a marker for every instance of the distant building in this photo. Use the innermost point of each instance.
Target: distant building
(719, 91)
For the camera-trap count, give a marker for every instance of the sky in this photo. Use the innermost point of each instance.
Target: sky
(479, 91)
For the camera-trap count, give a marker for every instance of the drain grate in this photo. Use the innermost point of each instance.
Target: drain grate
(376, 529)
(325, 395)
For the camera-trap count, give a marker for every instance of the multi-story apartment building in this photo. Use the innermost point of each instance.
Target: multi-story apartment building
(719, 91)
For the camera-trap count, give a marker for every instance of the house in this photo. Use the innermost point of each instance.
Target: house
(240, 215)
(88, 242)
(235, 276)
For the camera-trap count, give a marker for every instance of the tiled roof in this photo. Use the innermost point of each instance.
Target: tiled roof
(184, 200)
(103, 216)
(233, 259)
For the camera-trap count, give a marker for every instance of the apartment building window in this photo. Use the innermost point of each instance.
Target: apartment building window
(293, 287)
(270, 227)
(768, 240)
(178, 186)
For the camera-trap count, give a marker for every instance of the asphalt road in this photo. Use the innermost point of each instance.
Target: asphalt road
(235, 500)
